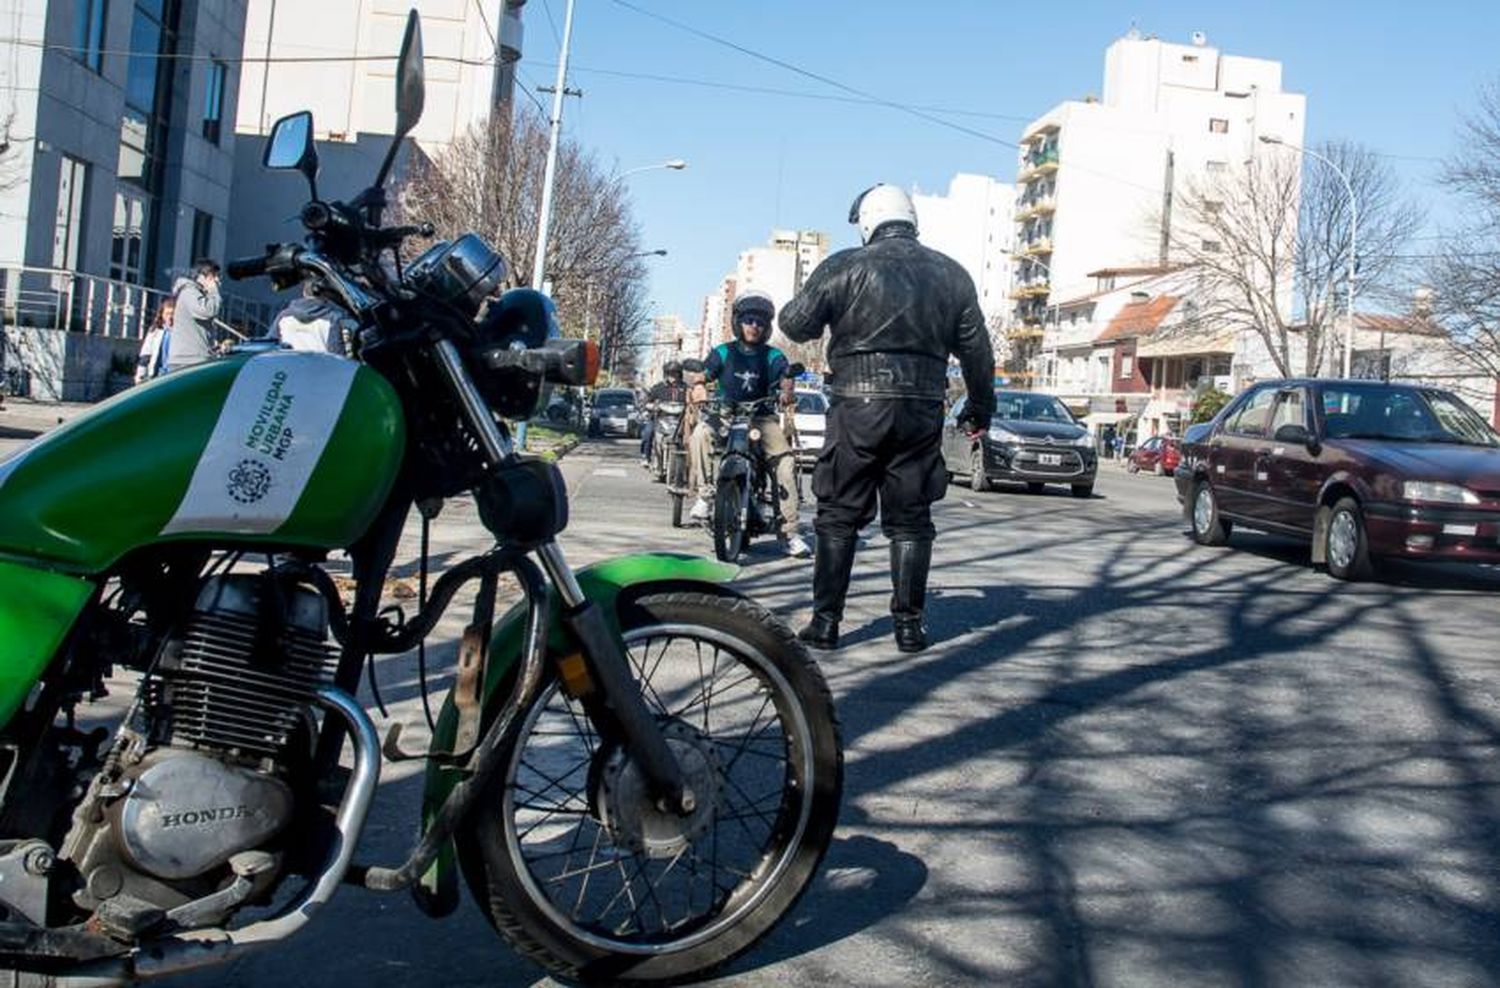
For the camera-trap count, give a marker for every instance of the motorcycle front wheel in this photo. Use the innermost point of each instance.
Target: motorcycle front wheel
(575, 865)
(731, 518)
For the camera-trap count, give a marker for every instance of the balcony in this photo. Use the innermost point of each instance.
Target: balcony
(1025, 332)
(1039, 207)
(1037, 247)
(1030, 289)
(1035, 166)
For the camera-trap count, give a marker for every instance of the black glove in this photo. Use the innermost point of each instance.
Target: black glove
(974, 423)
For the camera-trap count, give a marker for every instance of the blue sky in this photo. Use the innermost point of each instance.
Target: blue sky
(1393, 76)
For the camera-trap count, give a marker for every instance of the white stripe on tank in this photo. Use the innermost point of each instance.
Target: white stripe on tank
(270, 435)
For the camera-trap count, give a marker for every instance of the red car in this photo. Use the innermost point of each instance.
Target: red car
(1159, 455)
(1362, 469)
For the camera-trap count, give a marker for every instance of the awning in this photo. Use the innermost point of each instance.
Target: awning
(1184, 345)
(1106, 418)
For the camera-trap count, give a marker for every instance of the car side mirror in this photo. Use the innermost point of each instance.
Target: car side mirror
(1295, 435)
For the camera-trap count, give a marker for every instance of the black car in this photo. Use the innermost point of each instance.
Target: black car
(1033, 440)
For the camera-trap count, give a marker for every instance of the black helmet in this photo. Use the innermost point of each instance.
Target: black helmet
(752, 303)
(672, 368)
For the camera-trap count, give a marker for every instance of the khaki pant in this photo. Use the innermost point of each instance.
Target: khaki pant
(778, 451)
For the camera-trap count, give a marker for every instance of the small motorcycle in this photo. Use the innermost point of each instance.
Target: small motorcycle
(667, 419)
(637, 770)
(745, 491)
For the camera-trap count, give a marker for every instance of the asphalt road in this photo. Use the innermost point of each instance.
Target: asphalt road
(1127, 760)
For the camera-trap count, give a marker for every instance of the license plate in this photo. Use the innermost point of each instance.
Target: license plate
(1049, 459)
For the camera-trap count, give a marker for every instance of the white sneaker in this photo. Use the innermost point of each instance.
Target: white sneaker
(701, 510)
(794, 546)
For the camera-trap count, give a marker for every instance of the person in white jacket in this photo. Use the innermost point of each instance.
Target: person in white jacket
(156, 344)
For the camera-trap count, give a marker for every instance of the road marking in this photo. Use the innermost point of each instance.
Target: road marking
(609, 472)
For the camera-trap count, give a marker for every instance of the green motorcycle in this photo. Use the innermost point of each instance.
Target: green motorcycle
(637, 770)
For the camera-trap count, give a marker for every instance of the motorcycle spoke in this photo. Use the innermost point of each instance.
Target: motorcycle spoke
(583, 888)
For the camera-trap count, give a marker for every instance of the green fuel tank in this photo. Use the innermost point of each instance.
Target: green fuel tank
(277, 449)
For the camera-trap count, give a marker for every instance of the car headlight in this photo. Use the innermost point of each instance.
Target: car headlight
(1000, 434)
(1437, 491)
(1085, 440)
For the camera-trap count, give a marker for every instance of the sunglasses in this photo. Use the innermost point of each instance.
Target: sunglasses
(754, 321)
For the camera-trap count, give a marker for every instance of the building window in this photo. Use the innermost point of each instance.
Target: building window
(203, 235)
(1218, 125)
(89, 35)
(68, 237)
(1210, 246)
(129, 237)
(1127, 366)
(213, 102)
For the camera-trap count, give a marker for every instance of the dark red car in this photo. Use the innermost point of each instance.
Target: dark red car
(1362, 469)
(1158, 455)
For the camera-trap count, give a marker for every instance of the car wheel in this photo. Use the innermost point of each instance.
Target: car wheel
(978, 480)
(1083, 490)
(1132, 467)
(1347, 548)
(1208, 527)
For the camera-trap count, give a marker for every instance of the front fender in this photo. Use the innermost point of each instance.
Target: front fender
(603, 583)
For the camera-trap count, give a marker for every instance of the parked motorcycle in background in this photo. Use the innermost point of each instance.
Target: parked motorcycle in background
(637, 771)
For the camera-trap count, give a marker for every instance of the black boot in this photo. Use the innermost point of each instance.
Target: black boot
(831, 566)
(910, 560)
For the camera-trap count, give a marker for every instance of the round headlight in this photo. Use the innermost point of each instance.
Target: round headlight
(462, 273)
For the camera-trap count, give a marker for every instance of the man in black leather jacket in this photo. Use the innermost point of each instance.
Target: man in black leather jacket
(895, 311)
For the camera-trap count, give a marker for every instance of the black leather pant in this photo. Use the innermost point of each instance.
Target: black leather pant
(885, 450)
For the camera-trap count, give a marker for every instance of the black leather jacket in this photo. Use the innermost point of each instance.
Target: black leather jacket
(895, 311)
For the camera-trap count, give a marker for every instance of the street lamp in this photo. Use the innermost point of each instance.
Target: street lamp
(671, 164)
(647, 253)
(1353, 241)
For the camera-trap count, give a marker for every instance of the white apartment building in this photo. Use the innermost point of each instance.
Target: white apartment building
(713, 324)
(352, 96)
(780, 267)
(355, 94)
(973, 224)
(1096, 180)
(670, 340)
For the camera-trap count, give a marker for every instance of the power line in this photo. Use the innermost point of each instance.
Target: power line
(235, 59)
(871, 97)
(547, 9)
(489, 32)
(773, 91)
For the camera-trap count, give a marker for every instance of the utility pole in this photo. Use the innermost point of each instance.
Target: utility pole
(558, 92)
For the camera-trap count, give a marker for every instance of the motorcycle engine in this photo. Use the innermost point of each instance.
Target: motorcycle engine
(199, 773)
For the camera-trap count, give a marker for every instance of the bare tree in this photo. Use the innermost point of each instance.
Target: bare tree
(1268, 244)
(1466, 275)
(490, 181)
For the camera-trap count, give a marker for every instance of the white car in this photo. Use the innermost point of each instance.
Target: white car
(811, 418)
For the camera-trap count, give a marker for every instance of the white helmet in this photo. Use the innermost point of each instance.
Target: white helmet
(879, 205)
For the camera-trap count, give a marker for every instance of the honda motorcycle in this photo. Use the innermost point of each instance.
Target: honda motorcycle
(637, 770)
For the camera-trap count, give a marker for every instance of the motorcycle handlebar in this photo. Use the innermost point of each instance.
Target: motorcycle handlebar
(247, 267)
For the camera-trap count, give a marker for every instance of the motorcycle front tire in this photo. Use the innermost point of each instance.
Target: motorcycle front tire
(731, 518)
(796, 698)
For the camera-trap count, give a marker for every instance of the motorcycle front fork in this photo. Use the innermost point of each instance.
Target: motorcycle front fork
(623, 708)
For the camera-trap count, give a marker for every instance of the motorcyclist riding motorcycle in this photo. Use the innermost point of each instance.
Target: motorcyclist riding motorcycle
(749, 369)
(669, 389)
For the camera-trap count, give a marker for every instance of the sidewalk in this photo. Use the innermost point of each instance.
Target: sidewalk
(26, 418)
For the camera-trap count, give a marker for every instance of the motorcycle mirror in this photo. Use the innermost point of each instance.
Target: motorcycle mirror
(693, 366)
(291, 147)
(797, 370)
(411, 91)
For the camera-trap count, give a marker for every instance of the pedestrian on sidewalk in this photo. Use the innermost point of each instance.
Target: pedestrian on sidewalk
(156, 345)
(894, 310)
(197, 305)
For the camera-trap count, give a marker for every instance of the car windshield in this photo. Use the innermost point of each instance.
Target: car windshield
(614, 399)
(811, 403)
(1403, 415)
(1030, 408)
